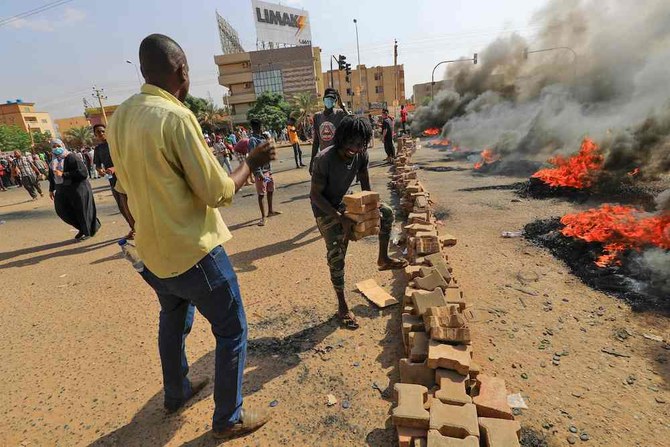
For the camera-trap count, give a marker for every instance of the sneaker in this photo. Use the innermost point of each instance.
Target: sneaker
(250, 420)
(196, 387)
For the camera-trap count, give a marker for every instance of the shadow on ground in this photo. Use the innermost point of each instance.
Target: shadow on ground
(71, 247)
(152, 427)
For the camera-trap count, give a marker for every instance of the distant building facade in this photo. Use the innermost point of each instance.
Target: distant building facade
(287, 71)
(23, 115)
(62, 125)
(95, 116)
(379, 87)
(421, 92)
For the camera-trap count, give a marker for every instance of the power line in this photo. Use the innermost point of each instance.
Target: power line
(33, 11)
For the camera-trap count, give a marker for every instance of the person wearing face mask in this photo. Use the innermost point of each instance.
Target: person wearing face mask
(326, 122)
(335, 169)
(71, 192)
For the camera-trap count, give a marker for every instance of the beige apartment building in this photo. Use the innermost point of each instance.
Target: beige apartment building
(62, 125)
(23, 115)
(379, 87)
(287, 71)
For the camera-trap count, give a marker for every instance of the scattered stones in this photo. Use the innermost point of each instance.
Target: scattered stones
(660, 400)
(331, 400)
(346, 404)
(572, 429)
(274, 403)
(584, 436)
(572, 439)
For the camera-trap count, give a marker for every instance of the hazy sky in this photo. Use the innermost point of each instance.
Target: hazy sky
(54, 58)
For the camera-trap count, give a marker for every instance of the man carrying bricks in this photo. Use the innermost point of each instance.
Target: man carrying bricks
(334, 170)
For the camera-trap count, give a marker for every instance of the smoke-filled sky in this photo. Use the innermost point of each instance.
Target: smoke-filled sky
(609, 80)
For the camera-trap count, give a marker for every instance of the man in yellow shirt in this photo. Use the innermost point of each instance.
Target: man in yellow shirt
(295, 142)
(174, 185)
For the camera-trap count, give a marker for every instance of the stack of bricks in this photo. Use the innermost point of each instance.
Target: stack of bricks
(442, 399)
(363, 208)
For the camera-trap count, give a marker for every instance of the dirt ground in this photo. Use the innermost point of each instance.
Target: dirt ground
(80, 359)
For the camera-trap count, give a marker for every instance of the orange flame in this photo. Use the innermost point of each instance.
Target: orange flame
(634, 172)
(488, 157)
(433, 131)
(618, 228)
(577, 171)
(439, 142)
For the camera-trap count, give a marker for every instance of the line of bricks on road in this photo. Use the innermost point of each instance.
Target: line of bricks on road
(442, 398)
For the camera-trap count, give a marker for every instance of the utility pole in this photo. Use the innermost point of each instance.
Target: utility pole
(332, 80)
(99, 93)
(360, 71)
(395, 71)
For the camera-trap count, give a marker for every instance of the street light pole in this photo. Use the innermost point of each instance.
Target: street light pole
(360, 71)
(432, 76)
(137, 71)
(526, 52)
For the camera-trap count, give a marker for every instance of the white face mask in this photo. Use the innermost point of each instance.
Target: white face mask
(329, 102)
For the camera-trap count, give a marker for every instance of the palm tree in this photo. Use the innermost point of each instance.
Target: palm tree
(78, 137)
(211, 115)
(305, 103)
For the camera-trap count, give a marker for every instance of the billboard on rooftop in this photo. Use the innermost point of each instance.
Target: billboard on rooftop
(280, 26)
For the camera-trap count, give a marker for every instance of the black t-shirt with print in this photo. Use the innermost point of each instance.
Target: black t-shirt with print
(325, 125)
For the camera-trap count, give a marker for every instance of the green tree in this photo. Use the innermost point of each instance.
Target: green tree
(211, 116)
(195, 104)
(13, 138)
(78, 137)
(304, 104)
(272, 109)
(42, 141)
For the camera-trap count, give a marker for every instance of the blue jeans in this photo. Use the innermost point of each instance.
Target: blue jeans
(211, 285)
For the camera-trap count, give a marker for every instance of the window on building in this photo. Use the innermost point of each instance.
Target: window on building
(378, 76)
(246, 64)
(44, 121)
(379, 89)
(268, 81)
(26, 109)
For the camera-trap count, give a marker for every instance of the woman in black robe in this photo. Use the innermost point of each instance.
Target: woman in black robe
(71, 192)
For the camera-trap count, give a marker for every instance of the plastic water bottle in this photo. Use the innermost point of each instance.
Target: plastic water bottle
(130, 253)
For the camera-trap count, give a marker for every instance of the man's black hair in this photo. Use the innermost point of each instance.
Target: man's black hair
(330, 91)
(98, 125)
(352, 129)
(255, 123)
(160, 55)
(385, 111)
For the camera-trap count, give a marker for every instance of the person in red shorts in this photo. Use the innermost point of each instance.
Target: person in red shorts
(265, 185)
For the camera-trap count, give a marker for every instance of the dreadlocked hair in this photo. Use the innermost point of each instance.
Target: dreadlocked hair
(353, 130)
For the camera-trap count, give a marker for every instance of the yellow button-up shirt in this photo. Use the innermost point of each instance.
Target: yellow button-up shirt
(172, 180)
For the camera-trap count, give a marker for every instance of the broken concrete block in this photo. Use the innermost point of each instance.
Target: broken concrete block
(358, 199)
(418, 346)
(491, 397)
(411, 323)
(499, 432)
(408, 437)
(409, 291)
(456, 421)
(420, 218)
(366, 225)
(370, 215)
(453, 295)
(358, 235)
(410, 412)
(414, 228)
(452, 387)
(422, 301)
(447, 240)
(436, 258)
(431, 282)
(375, 293)
(416, 373)
(451, 335)
(436, 439)
(412, 271)
(442, 355)
(441, 269)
